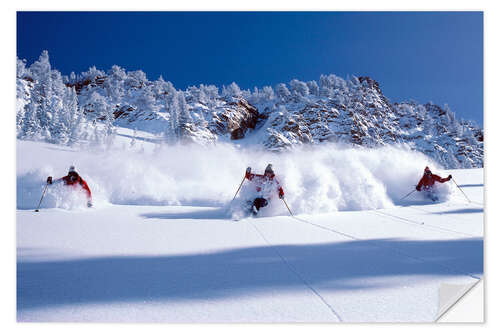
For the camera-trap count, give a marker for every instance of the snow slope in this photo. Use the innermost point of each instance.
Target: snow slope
(133, 258)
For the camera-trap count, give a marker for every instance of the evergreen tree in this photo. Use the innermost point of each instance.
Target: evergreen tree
(172, 132)
(212, 94)
(163, 92)
(58, 129)
(114, 84)
(31, 128)
(146, 100)
(74, 117)
(185, 119)
(299, 88)
(313, 88)
(282, 92)
(21, 70)
(135, 80)
(41, 92)
(231, 91)
(102, 112)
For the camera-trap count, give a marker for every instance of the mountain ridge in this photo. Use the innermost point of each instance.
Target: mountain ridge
(352, 111)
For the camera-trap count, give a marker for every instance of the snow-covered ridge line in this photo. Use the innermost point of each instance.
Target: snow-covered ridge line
(88, 106)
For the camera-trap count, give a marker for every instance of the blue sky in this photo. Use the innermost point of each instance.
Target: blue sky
(425, 56)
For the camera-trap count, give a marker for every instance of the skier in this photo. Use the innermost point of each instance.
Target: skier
(265, 185)
(73, 179)
(427, 181)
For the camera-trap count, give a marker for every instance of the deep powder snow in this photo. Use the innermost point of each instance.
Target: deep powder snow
(321, 179)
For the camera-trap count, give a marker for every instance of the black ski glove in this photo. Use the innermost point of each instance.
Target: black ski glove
(281, 196)
(450, 177)
(417, 188)
(249, 170)
(49, 180)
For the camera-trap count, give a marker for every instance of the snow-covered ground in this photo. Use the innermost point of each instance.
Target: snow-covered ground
(160, 244)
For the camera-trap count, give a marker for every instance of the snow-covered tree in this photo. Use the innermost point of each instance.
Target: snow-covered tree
(185, 118)
(172, 130)
(31, 128)
(313, 88)
(164, 92)
(101, 112)
(282, 92)
(135, 80)
(115, 84)
(46, 116)
(41, 92)
(299, 88)
(146, 100)
(231, 91)
(74, 117)
(268, 93)
(21, 70)
(212, 94)
(92, 74)
(353, 84)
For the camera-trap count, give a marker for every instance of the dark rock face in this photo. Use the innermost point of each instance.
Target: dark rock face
(236, 118)
(238, 133)
(79, 85)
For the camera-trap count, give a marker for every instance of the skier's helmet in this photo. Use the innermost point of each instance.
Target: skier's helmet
(73, 175)
(269, 170)
(427, 170)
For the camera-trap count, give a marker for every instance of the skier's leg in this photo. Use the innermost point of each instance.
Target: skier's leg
(427, 194)
(433, 195)
(255, 206)
(264, 202)
(261, 203)
(258, 203)
(430, 194)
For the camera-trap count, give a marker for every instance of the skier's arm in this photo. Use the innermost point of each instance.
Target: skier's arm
(83, 183)
(281, 193)
(420, 183)
(50, 181)
(248, 174)
(441, 180)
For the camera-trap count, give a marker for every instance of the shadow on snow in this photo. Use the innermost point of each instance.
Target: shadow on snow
(208, 214)
(462, 211)
(471, 185)
(334, 266)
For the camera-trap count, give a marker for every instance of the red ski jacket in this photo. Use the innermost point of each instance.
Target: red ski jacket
(427, 181)
(259, 180)
(78, 181)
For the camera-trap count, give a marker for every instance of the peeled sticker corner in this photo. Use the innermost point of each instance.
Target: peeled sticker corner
(450, 294)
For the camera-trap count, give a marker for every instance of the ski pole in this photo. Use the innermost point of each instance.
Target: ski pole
(287, 207)
(36, 210)
(461, 190)
(238, 188)
(407, 195)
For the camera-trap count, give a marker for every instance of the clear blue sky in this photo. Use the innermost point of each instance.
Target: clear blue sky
(425, 56)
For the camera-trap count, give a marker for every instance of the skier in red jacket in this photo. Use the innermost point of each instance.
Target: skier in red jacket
(266, 185)
(427, 181)
(73, 179)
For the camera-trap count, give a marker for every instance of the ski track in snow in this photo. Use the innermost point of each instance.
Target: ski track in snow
(292, 269)
(143, 263)
(391, 248)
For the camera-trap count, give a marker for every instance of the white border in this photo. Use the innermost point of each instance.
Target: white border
(491, 125)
